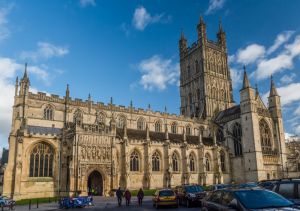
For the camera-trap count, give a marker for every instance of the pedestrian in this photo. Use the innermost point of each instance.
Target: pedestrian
(127, 195)
(119, 196)
(140, 196)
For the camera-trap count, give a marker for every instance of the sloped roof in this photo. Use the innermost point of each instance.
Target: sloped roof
(228, 114)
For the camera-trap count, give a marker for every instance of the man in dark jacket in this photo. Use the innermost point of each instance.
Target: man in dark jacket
(140, 196)
(119, 196)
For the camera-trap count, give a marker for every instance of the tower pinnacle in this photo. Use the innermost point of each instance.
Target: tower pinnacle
(246, 83)
(273, 90)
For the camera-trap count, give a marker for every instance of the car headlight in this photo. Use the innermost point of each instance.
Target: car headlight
(191, 195)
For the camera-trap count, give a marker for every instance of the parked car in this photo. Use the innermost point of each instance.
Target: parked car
(289, 188)
(7, 202)
(246, 199)
(219, 186)
(267, 184)
(247, 185)
(189, 195)
(164, 197)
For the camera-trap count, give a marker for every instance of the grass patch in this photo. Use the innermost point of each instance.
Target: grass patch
(35, 200)
(149, 192)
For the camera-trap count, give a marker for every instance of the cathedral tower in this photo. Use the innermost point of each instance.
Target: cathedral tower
(205, 83)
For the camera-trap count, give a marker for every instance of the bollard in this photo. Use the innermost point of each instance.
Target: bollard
(29, 204)
(37, 203)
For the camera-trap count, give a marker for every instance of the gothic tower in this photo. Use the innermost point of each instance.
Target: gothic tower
(205, 83)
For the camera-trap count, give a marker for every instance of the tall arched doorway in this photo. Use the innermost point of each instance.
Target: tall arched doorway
(95, 184)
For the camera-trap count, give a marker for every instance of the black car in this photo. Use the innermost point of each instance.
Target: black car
(246, 199)
(189, 195)
(289, 188)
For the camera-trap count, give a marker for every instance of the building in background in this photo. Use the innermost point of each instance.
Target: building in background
(64, 146)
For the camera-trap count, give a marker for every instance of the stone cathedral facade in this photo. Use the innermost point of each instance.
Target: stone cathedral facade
(64, 146)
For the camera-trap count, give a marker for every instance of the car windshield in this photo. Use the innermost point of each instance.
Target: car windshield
(166, 193)
(258, 199)
(248, 185)
(218, 187)
(193, 189)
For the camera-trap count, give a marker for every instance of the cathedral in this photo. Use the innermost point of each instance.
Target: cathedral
(62, 146)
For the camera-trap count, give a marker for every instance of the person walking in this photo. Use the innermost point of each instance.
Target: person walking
(119, 196)
(127, 195)
(140, 196)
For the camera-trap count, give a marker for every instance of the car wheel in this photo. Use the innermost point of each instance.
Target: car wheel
(188, 203)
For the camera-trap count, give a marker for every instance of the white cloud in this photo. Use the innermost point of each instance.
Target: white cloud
(4, 30)
(45, 51)
(286, 79)
(250, 54)
(287, 93)
(86, 3)
(297, 130)
(214, 5)
(297, 111)
(268, 67)
(141, 18)
(157, 73)
(9, 69)
(236, 77)
(280, 39)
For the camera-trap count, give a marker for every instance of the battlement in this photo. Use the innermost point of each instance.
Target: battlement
(102, 106)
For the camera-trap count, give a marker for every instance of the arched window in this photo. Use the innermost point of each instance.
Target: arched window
(78, 117)
(207, 163)
(175, 164)
(121, 122)
(134, 161)
(188, 130)
(237, 139)
(41, 160)
(265, 136)
(48, 113)
(174, 127)
(192, 162)
(155, 162)
(220, 136)
(141, 124)
(222, 161)
(158, 126)
(100, 118)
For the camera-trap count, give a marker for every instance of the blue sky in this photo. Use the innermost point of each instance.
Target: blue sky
(129, 49)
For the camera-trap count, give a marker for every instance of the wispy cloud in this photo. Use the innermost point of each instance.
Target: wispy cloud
(288, 78)
(236, 76)
(142, 18)
(215, 5)
(250, 54)
(9, 69)
(45, 50)
(87, 3)
(280, 40)
(4, 12)
(158, 73)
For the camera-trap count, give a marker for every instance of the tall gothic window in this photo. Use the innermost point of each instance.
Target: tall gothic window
(100, 118)
(155, 162)
(174, 128)
(192, 162)
(41, 160)
(158, 126)
(134, 161)
(141, 124)
(175, 164)
(207, 163)
(222, 161)
(220, 136)
(78, 117)
(188, 130)
(237, 139)
(48, 113)
(121, 122)
(265, 136)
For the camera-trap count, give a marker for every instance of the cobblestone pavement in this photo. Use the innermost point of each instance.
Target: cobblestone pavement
(105, 203)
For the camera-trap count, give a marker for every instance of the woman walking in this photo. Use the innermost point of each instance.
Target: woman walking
(127, 196)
